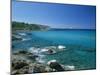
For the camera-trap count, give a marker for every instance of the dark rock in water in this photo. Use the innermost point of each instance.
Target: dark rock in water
(55, 65)
(23, 52)
(48, 51)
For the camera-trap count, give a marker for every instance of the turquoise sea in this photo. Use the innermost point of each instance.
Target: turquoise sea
(80, 46)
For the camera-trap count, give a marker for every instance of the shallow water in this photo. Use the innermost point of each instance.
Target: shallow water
(80, 46)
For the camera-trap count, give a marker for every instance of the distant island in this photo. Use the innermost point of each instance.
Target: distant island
(21, 26)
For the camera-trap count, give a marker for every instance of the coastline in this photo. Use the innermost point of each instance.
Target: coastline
(49, 51)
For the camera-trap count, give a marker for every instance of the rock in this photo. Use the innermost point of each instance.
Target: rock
(21, 67)
(26, 70)
(39, 68)
(23, 52)
(19, 64)
(24, 55)
(48, 69)
(48, 51)
(55, 65)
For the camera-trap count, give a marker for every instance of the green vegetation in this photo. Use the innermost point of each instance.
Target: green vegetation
(26, 26)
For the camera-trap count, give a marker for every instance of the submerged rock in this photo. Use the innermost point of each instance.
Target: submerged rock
(53, 49)
(55, 65)
(48, 51)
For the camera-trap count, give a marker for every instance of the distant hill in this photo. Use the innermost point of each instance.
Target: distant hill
(28, 27)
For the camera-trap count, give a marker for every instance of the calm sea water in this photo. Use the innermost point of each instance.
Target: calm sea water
(80, 46)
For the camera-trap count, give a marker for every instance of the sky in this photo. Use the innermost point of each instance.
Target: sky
(55, 15)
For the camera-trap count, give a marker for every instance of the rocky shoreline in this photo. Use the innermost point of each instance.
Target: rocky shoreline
(28, 61)
(24, 62)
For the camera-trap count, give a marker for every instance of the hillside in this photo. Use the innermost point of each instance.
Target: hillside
(26, 26)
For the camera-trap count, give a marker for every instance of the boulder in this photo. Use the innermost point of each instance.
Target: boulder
(38, 68)
(55, 65)
(19, 64)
